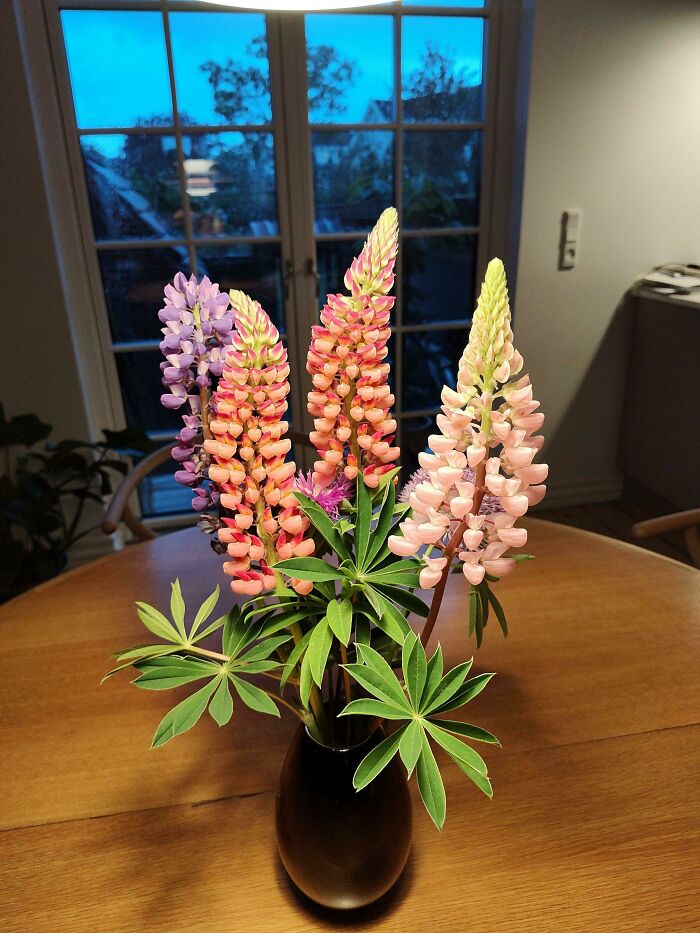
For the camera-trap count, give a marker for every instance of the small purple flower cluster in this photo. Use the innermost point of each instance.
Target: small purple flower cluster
(198, 322)
(329, 497)
(489, 504)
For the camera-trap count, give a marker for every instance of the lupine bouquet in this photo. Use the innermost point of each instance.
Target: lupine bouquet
(329, 565)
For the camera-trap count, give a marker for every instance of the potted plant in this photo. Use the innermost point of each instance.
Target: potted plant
(331, 564)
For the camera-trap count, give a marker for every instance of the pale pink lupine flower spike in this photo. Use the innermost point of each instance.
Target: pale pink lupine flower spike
(488, 425)
(351, 400)
(263, 523)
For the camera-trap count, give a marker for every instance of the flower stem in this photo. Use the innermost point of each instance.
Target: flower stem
(347, 686)
(204, 402)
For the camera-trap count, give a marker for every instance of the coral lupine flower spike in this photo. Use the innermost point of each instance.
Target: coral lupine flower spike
(263, 523)
(490, 410)
(351, 399)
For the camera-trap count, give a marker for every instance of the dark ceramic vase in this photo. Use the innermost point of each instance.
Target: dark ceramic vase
(343, 848)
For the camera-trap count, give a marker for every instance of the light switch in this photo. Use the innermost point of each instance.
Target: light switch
(569, 242)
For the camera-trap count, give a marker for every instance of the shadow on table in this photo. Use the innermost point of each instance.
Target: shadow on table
(362, 917)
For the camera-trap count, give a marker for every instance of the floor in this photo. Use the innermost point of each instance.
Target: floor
(615, 519)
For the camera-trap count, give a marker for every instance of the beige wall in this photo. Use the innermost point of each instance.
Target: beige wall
(614, 130)
(39, 370)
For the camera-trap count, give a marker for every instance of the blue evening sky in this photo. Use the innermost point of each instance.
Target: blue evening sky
(119, 72)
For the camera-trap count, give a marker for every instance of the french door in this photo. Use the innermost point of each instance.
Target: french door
(259, 150)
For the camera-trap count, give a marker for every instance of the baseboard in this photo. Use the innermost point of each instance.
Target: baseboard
(581, 492)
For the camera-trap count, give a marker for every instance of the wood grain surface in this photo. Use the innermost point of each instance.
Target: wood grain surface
(595, 824)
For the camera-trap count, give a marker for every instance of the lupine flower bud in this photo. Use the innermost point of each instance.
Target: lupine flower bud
(350, 399)
(262, 520)
(486, 428)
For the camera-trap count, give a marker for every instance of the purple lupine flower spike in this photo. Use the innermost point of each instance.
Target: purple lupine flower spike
(198, 321)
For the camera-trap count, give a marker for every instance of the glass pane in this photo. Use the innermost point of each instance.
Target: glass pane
(140, 379)
(353, 178)
(438, 278)
(429, 362)
(350, 68)
(221, 69)
(442, 69)
(441, 175)
(118, 67)
(133, 187)
(333, 259)
(133, 282)
(230, 179)
(252, 268)
(161, 495)
(414, 439)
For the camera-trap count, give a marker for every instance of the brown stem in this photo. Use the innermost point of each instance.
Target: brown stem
(278, 699)
(204, 403)
(449, 553)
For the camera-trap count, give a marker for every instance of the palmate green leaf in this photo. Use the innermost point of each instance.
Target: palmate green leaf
(363, 634)
(339, 616)
(404, 598)
(253, 696)
(473, 608)
(467, 692)
(287, 619)
(221, 705)
(447, 688)
(177, 608)
(306, 680)
(369, 707)
(390, 683)
(430, 785)
(457, 749)
(467, 730)
(388, 617)
(143, 651)
(482, 615)
(415, 668)
(480, 780)
(319, 647)
(183, 716)
(392, 579)
(294, 658)
(363, 522)
(375, 762)
(238, 633)
(384, 553)
(497, 609)
(166, 672)
(157, 623)
(433, 675)
(310, 568)
(208, 630)
(262, 650)
(375, 683)
(204, 611)
(381, 531)
(411, 744)
(322, 523)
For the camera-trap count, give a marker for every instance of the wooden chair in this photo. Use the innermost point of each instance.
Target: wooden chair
(119, 509)
(687, 522)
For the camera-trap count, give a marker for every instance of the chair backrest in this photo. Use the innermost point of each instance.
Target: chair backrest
(119, 510)
(688, 522)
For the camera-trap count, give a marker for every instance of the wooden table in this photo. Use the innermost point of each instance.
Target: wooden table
(596, 816)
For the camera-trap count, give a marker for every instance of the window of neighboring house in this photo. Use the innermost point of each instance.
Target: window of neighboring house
(196, 152)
